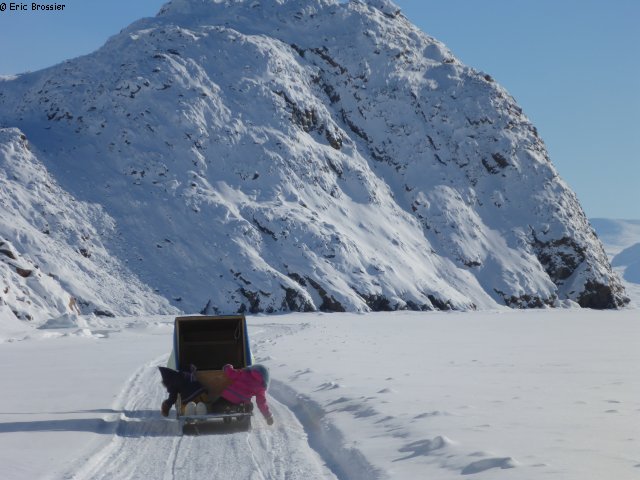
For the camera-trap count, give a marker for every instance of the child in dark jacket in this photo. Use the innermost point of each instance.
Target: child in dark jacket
(183, 383)
(246, 383)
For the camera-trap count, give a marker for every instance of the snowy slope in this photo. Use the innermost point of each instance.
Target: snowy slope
(53, 262)
(310, 155)
(511, 395)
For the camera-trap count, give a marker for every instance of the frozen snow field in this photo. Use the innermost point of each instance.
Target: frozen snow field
(489, 395)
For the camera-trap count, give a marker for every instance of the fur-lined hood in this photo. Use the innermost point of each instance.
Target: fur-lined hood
(262, 371)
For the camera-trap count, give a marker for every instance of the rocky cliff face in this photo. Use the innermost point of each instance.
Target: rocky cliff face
(310, 155)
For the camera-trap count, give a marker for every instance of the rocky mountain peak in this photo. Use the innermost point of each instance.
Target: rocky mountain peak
(310, 155)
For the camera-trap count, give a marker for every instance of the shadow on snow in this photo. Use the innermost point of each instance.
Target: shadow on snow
(124, 423)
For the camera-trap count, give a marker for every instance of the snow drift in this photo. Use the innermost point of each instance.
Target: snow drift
(283, 155)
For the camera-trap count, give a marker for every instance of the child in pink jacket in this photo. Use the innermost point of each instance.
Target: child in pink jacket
(247, 383)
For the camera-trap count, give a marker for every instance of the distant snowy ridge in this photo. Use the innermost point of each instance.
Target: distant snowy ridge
(52, 260)
(616, 234)
(630, 259)
(284, 155)
(621, 239)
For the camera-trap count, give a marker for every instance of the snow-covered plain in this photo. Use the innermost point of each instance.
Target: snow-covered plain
(499, 394)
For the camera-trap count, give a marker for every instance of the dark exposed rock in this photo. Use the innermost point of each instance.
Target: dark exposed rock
(440, 304)
(254, 301)
(23, 272)
(377, 303)
(353, 127)
(305, 119)
(209, 309)
(559, 257)
(295, 302)
(411, 305)
(324, 54)
(500, 160)
(299, 279)
(599, 296)
(525, 301)
(8, 253)
(329, 304)
(22, 315)
(308, 121)
(497, 165)
(334, 140)
(264, 229)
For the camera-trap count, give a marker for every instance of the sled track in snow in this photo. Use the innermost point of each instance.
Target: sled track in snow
(345, 462)
(144, 445)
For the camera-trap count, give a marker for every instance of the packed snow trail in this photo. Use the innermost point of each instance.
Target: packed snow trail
(145, 445)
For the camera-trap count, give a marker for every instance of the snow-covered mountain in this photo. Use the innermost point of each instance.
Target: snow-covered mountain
(306, 155)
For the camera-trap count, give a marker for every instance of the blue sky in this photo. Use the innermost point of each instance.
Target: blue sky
(573, 65)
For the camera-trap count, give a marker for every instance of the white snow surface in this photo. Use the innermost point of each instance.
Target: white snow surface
(489, 395)
(285, 155)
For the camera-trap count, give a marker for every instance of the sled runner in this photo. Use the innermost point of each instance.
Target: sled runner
(208, 343)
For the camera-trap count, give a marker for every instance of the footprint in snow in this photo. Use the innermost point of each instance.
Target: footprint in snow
(359, 411)
(386, 419)
(487, 464)
(327, 386)
(423, 447)
(299, 373)
(435, 413)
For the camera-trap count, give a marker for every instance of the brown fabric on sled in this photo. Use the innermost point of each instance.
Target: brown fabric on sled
(214, 381)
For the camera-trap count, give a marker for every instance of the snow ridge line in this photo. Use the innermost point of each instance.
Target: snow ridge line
(346, 463)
